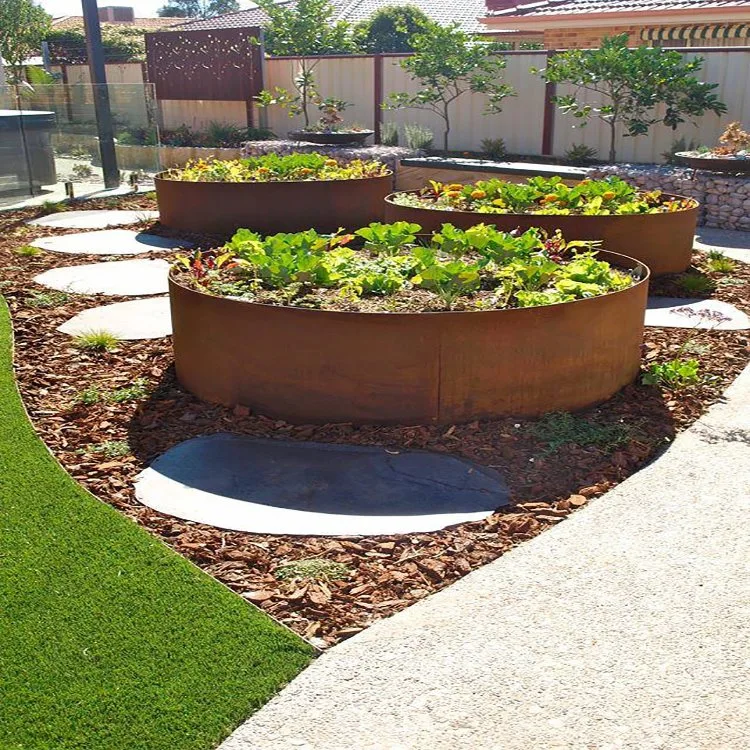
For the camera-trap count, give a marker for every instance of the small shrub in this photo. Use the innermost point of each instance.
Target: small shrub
(139, 389)
(109, 448)
(27, 251)
(89, 396)
(96, 341)
(82, 171)
(678, 145)
(676, 373)
(312, 569)
(580, 153)
(47, 299)
(389, 134)
(721, 265)
(79, 151)
(52, 207)
(418, 137)
(562, 428)
(696, 283)
(695, 347)
(494, 148)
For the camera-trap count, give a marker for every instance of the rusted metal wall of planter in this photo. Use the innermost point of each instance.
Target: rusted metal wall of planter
(664, 242)
(270, 207)
(734, 166)
(317, 366)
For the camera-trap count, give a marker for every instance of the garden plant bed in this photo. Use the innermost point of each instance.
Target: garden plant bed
(730, 164)
(105, 444)
(663, 241)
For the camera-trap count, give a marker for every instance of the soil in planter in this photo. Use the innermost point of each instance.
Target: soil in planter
(105, 444)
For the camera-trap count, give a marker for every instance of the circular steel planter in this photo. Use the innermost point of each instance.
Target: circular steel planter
(271, 207)
(331, 139)
(318, 366)
(663, 242)
(735, 166)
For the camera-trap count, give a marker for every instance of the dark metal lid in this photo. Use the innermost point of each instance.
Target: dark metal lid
(10, 119)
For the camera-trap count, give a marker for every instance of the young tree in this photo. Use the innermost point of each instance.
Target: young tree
(448, 63)
(636, 87)
(23, 25)
(390, 29)
(197, 8)
(303, 29)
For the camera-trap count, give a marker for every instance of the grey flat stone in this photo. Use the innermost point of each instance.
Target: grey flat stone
(108, 242)
(732, 243)
(138, 319)
(678, 312)
(92, 219)
(623, 628)
(129, 278)
(291, 487)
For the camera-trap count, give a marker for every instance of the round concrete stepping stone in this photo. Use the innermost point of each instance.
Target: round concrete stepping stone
(128, 278)
(732, 243)
(681, 312)
(92, 219)
(108, 242)
(290, 487)
(139, 319)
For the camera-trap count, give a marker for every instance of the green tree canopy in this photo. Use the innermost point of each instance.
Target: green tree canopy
(390, 29)
(448, 63)
(120, 43)
(23, 25)
(635, 88)
(197, 8)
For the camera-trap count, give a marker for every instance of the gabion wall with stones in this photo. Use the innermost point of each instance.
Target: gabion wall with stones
(389, 155)
(725, 199)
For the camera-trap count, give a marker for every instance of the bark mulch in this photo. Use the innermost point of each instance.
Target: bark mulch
(104, 444)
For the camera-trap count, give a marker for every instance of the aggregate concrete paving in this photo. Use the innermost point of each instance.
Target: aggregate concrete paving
(292, 487)
(625, 626)
(137, 319)
(98, 219)
(732, 243)
(679, 312)
(127, 278)
(108, 242)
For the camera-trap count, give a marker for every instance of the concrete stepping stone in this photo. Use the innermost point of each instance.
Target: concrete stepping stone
(92, 219)
(290, 487)
(108, 242)
(128, 278)
(682, 312)
(138, 319)
(732, 243)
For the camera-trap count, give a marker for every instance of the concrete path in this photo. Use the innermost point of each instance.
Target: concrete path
(732, 243)
(626, 626)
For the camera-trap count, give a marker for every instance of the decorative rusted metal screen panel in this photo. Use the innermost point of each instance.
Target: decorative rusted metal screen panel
(217, 65)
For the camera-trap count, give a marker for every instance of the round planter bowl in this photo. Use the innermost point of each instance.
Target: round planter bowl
(316, 366)
(332, 139)
(736, 166)
(663, 242)
(271, 207)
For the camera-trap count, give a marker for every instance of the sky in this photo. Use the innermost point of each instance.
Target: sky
(143, 8)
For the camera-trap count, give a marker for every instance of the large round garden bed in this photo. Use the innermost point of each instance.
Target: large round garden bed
(662, 241)
(309, 365)
(731, 164)
(294, 202)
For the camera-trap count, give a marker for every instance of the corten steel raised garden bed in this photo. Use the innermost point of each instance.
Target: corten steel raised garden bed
(663, 242)
(271, 207)
(331, 139)
(318, 366)
(734, 166)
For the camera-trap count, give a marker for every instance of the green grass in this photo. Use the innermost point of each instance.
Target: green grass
(96, 341)
(109, 640)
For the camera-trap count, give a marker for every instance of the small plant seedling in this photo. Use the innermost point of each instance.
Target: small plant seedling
(580, 153)
(139, 389)
(721, 265)
(96, 341)
(27, 251)
(312, 569)
(716, 254)
(47, 299)
(695, 347)
(562, 428)
(676, 373)
(495, 148)
(109, 448)
(82, 171)
(696, 283)
(52, 207)
(89, 396)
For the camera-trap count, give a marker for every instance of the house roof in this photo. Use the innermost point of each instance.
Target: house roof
(502, 8)
(466, 14)
(150, 24)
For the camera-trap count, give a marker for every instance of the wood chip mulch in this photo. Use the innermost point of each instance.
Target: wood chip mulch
(386, 573)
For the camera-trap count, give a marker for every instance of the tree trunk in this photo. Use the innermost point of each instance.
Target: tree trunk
(447, 130)
(612, 134)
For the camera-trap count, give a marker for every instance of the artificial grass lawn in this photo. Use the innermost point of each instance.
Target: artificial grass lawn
(108, 639)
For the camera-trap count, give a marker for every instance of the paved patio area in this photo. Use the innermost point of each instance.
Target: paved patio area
(623, 627)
